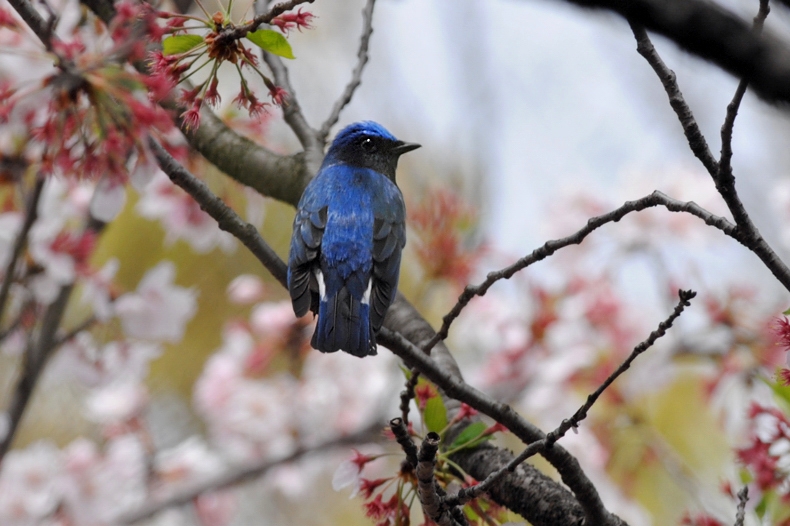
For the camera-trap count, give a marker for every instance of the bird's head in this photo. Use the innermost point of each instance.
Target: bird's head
(368, 144)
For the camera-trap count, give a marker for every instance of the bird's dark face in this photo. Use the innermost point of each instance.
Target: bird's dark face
(369, 145)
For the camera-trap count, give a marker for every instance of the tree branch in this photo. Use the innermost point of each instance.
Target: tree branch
(293, 116)
(35, 357)
(356, 76)
(715, 34)
(237, 32)
(239, 474)
(466, 494)
(31, 214)
(566, 464)
(428, 491)
(732, 107)
(42, 28)
(550, 247)
(668, 79)
(402, 437)
(743, 498)
(226, 218)
(746, 231)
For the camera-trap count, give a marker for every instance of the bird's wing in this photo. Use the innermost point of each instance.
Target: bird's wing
(389, 238)
(308, 231)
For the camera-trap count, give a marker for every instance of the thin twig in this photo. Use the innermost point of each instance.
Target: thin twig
(35, 358)
(238, 32)
(226, 218)
(407, 394)
(567, 466)
(746, 232)
(356, 76)
(293, 116)
(240, 474)
(401, 432)
(550, 247)
(38, 352)
(31, 214)
(696, 140)
(743, 498)
(466, 494)
(732, 108)
(86, 324)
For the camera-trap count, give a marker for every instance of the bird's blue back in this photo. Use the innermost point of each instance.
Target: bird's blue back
(349, 231)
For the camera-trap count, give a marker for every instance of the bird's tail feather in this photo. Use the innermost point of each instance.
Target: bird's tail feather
(344, 324)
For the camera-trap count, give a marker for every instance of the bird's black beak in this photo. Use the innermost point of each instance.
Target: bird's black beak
(401, 147)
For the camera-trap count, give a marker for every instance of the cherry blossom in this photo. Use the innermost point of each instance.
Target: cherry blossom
(158, 309)
(30, 484)
(246, 289)
(181, 217)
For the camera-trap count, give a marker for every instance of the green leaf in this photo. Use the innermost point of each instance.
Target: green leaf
(176, 44)
(470, 436)
(782, 393)
(435, 414)
(271, 41)
(787, 312)
(761, 507)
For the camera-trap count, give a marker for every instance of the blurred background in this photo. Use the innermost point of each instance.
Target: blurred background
(534, 115)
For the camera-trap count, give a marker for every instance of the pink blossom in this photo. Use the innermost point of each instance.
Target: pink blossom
(181, 217)
(82, 359)
(272, 319)
(278, 95)
(158, 309)
(189, 462)
(108, 200)
(30, 484)
(246, 289)
(102, 486)
(213, 97)
(348, 472)
(299, 20)
(191, 117)
(98, 290)
(117, 402)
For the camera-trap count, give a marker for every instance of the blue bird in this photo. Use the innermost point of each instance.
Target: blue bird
(348, 234)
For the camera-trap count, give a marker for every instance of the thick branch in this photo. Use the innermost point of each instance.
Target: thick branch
(277, 176)
(567, 465)
(713, 33)
(42, 28)
(226, 218)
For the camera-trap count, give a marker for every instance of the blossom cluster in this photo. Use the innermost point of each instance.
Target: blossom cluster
(92, 116)
(195, 43)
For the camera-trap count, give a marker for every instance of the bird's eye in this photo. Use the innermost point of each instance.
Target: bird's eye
(368, 145)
